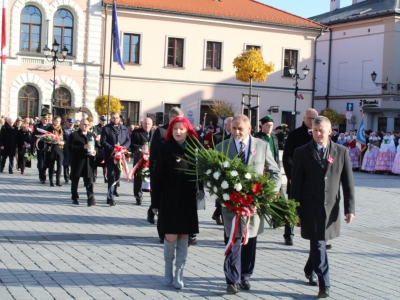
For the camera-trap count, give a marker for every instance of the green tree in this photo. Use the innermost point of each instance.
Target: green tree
(333, 116)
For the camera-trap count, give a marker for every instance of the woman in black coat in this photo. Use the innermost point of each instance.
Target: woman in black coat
(174, 197)
(55, 152)
(24, 139)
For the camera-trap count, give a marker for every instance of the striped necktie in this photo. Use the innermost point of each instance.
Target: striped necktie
(242, 153)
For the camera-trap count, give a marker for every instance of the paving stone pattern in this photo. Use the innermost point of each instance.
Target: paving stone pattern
(51, 249)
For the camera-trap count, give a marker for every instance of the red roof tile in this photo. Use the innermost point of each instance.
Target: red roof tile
(248, 10)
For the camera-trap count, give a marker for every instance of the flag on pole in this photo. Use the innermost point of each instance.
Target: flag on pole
(115, 36)
(361, 135)
(3, 33)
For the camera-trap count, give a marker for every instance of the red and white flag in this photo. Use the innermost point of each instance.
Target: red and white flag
(3, 34)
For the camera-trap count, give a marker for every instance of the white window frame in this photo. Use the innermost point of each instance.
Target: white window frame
(121, 46)
(166, 52)
(205, 54)
(253, 44)
(283, 59)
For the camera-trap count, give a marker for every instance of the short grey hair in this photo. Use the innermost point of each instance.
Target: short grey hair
(176, 111)
(321, 119)
(244, 118)
(227, 120)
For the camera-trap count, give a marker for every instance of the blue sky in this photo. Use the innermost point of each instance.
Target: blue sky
(304, 8)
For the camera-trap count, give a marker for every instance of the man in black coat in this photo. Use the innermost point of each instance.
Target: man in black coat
(140, 140)
(41, 161)
(335, 135)
(82, 159)
(8, 144)
(297, 138)
(318, 169)
(113, 134)
(157, 140)
(100, 151)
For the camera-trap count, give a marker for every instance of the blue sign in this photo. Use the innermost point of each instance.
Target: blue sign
(349, 106)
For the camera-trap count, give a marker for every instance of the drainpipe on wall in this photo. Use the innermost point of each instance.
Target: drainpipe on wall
(315, 67)
(104, 50)
(328, 85)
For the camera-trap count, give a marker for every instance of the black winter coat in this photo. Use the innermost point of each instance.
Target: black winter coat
(316, 187)
(8, 139)
(36, 133)
(22, 138)
(156, 141)
(296, 138)
(174, 192)
(82, 164)
(110, 138)
(138, 139)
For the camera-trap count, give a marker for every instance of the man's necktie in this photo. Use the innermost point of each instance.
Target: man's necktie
(148, 135)
(242, 153)
(321, 152)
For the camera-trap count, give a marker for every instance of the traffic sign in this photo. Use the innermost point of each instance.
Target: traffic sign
(349, 106)
(349, 114)
(190, 113)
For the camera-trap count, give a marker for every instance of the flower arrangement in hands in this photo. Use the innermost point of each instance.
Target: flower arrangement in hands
(47, 137)
(240, 189)
(141, 169)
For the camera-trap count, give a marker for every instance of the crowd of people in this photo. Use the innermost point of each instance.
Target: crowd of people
(308, 154)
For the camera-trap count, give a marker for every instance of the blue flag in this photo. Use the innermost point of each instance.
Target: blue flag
(115, 36)
(361, 134)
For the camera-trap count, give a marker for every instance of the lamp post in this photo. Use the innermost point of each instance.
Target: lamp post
(54, 58)
(296, 77)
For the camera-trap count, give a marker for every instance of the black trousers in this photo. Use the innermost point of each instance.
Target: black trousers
(10, 162)
(137, 188)
(318, 262)
(66, 173)
(239, 262)
(113, 174)
(218, 209)
(89, 188)
(41, 165)
(289, 231)
(51, 169)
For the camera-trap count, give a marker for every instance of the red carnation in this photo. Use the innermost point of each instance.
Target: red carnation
(257, 187)
(247, 200)
(236, 197)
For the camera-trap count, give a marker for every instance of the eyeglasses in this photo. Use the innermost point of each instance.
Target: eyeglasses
(84, 124)
(310, 119)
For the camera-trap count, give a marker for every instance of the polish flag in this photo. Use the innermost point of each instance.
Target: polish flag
(3, 34)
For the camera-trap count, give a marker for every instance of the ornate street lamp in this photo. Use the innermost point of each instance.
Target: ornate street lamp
(54, 58)
(383, 85)
(296, 77)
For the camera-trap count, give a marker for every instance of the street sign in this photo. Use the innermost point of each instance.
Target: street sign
(349, 114)
(190, 113)
(349, 106)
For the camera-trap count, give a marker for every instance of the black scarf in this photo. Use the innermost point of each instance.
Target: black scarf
(116, 129)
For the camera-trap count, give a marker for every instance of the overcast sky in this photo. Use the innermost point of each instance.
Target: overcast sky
(304, 8)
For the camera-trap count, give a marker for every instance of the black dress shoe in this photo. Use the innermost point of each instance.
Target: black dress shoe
(323, 292)
(58, 184)
(138, 201)
(91, 203)
(112, 203)
(42, 181)
(161, 241)
(192, 241)
(10, 172)
(116, 194)
(150, 217)
(312, 279)
(76, 202)
(289, 241)
(66, 181)
(232, 288)
(105, 180)
(245, 285)
(328, 247)
(108, 201)
(52, 184)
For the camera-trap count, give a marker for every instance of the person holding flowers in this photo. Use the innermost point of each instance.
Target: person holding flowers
(113, 134)
(55, 151)
(24, 144)
(318, 169)
(39, 145)
(255, 153)
(174, 195)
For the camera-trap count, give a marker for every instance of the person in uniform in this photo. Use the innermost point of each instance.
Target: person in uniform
(113, 134)
(267, 125)
(68, 130)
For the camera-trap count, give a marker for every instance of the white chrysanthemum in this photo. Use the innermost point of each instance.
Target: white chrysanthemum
(234, 173)
(238, 187)
(224, 184)
(215, 189)
(226, 164)
(247, 176)
(208, 172)
(209, 184)
(225, 197)
(216, 175)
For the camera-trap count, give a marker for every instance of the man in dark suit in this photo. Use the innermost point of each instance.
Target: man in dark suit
(297, 138)
(240, 260)
(318, 169)
(157, 140)
(140, 140)
(8, 144)
(44, 125)
(82, 160)
(113, 134)
(218, 137)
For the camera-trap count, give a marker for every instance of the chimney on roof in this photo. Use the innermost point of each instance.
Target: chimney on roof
(335, 4)
(357, 1)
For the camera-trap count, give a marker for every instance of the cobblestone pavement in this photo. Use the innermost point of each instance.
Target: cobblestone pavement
(51, 249)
